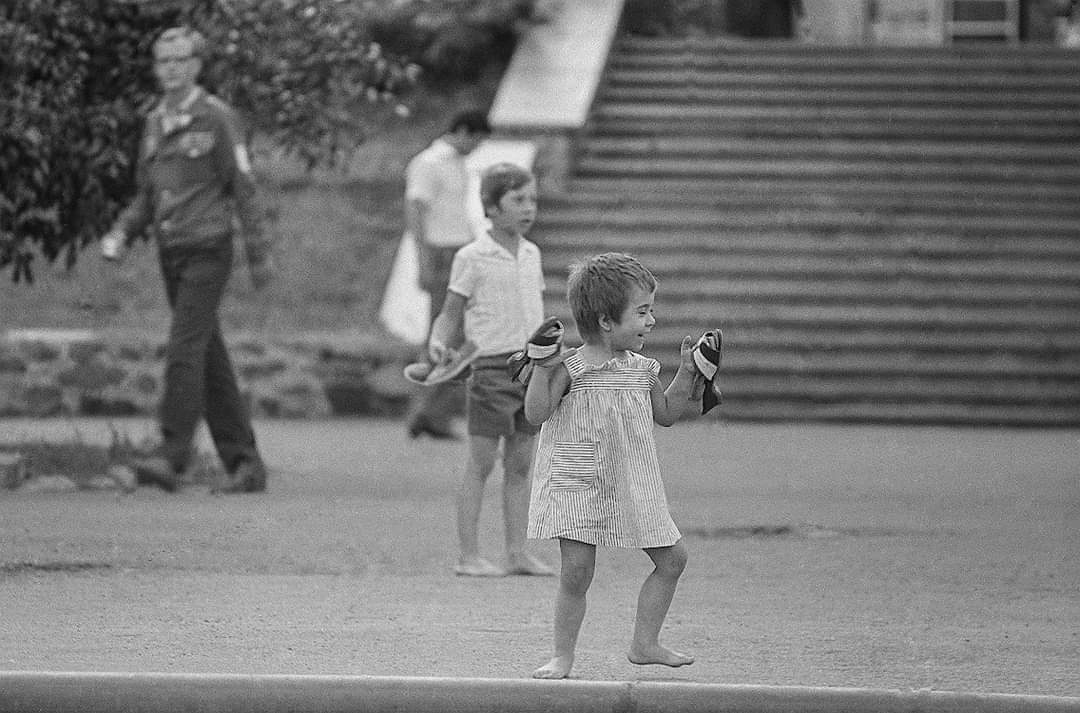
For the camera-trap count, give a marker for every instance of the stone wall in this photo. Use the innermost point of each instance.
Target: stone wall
(64, 372)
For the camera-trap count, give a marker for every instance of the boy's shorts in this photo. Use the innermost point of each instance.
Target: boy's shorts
(494, 403)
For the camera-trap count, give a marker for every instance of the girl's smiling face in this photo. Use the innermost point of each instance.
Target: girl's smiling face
(636, 321)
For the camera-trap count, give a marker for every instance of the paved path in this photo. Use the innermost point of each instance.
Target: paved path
(820, 556)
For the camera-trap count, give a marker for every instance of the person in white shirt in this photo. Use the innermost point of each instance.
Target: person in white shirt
(436, 213)
(496, 301)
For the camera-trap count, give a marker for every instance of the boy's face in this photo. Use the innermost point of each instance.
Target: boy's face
(635, 322)
(516, 210)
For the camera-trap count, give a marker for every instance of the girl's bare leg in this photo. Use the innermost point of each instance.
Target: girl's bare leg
(578, 564)
(653, 603)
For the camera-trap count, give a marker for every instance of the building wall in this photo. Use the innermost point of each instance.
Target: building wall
(906, 22)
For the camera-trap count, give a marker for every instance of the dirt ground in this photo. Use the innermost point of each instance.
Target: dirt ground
(868, 557)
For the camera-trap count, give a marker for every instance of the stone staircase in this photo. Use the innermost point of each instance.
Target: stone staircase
(884, 234)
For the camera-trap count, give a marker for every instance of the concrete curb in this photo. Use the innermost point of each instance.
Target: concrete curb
(66, 692)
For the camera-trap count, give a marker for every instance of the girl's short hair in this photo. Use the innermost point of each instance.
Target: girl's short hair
(500, 179)
(600, 287)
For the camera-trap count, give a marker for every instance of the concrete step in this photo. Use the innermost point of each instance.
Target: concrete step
(758, 407)
(1003, 152)
(697, 315)
(653, 190)
(633, 120)
(1037, 269)
(901, 387)
(807, 219)
(884, 199)
(847, 290)
(900, 120)
(796, 58)
(1023, 343)
(663, 89)
(698, 266)
(852, 364)
(704, 246)
(827, 168)
(866, 79)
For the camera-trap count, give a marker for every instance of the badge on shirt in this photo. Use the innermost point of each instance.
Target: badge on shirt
(243, 164)
(174, 122)
(196, 143)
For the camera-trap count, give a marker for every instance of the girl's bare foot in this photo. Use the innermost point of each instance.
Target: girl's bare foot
(658, 654)
(558, 667)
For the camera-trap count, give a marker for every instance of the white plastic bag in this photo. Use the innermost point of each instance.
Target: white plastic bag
(405, 309)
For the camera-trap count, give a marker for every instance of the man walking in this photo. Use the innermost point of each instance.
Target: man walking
(436, 213)
(193, 180)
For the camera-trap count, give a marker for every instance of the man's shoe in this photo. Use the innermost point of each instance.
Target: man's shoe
(254, 474)
(248, 477)
(155, 470)
(421, 427)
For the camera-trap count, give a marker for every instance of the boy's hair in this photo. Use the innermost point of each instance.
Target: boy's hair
(473, 121)
(600, 286)
(500, 179)
(198, 42)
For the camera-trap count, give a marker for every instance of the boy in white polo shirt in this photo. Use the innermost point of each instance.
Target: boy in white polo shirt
(495, 300)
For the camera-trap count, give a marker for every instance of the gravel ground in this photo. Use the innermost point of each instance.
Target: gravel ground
(868, 557)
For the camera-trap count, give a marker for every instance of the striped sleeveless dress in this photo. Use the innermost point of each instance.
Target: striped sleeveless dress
(596, 476)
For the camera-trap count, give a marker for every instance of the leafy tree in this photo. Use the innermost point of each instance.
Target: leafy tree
(314, 76)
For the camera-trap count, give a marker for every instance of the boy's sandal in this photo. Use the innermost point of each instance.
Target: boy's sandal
(427, 374)
(481, 568)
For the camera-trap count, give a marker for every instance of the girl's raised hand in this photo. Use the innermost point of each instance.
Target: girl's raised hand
(686, 354)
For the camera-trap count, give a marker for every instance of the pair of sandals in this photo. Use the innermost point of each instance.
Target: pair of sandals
(545, 345)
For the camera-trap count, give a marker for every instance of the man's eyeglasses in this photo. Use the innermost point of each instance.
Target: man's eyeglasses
(173, 60)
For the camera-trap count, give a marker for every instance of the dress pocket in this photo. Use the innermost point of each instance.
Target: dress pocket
(574, 466)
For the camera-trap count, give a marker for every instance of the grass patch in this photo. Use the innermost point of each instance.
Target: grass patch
(84, 463)
(73, 459)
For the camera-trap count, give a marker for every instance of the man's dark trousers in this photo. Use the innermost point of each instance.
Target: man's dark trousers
(199, 378)
(435, 406)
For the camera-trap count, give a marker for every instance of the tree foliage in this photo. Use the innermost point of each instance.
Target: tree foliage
(314, 76)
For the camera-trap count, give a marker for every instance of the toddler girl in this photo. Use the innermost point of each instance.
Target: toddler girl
(597, 478)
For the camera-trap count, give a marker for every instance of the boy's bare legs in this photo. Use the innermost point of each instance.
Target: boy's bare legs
(517, 486)
(653, 603)
(482, 453)
(578, 564)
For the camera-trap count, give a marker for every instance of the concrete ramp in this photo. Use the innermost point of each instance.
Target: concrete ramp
(58, 692)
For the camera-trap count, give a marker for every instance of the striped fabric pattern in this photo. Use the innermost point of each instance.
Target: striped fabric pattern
(573, 466)
(596, 476)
